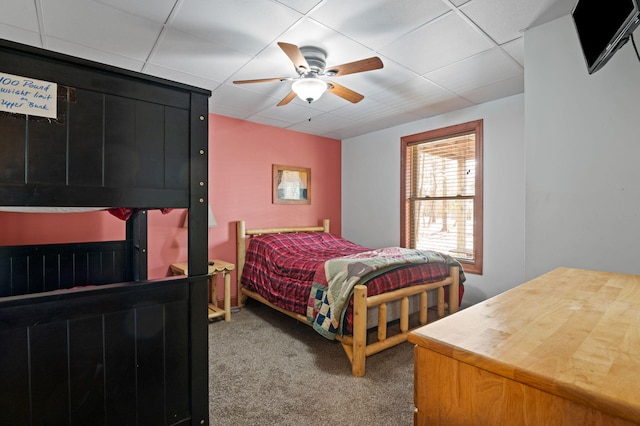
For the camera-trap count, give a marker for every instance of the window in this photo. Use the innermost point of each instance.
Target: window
(442, 192)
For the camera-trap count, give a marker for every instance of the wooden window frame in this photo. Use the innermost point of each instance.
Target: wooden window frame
(475, 266)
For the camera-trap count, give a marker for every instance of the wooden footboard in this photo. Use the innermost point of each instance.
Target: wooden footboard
(356, 346)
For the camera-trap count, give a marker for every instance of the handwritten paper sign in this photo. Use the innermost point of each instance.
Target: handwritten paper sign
(22, 95)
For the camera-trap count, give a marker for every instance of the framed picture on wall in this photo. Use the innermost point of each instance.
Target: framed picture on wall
(291, 185)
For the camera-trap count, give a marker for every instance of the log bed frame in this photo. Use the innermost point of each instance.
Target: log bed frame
(356, 346)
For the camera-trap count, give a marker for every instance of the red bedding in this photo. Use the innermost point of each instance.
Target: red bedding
(281, 267)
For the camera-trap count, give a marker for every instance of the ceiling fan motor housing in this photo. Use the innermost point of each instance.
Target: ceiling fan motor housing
(316, 58)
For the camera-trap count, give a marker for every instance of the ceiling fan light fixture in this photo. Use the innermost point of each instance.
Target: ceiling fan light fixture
(309, 89)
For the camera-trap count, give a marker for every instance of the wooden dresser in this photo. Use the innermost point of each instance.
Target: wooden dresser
(562, 349)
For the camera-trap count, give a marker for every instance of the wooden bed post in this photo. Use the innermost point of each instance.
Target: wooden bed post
(454, 290)
(359, 355)
(241, 250)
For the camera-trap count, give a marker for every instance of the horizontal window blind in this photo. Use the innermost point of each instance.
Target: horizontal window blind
(441, 199)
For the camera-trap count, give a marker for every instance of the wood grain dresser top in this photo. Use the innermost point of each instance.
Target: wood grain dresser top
(571, 332)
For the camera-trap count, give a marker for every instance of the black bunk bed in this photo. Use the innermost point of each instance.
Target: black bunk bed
(85, 337)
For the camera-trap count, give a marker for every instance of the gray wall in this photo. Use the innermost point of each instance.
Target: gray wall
(371, 190)
(582, 152)
(562, 181)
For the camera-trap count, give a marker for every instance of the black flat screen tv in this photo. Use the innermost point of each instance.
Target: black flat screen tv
(603, 26)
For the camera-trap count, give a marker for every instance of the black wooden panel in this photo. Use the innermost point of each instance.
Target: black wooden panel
(86, 142)
(36, 271)
(5, 277)
(12, 147)
(18, 283)
(86, 372)
(197, 260)
(150, 361)
(37, 268)
(14, 383)
(150, 144)
(70, 169)
(47, 149)
(51, 274)
(80, 269)
(95, 267)
(120, 365)
(115, 355)
(48, 373)
(66, 265)
(177, 354)
(177, 154)
(122, 163)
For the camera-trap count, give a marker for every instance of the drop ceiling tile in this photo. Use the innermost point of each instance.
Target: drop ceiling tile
(269, 121)
(366, 110)
(376, 23)
(100, 27)
(320, 123)
(228, 112)
(228, 96)
(245, 25)
(504, 20)
(339, 48)
(500, 89)
(515, 48)
(302, 6)
(19, 35)
(293, 112)
(442, 106)
(81, 51)
(182, 52)
(437, 44)
(181, 77)
(155, 10)
(415, 92)
(480, 70)
(20, 14)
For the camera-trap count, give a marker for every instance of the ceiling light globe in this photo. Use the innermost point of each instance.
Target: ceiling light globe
(309, 89)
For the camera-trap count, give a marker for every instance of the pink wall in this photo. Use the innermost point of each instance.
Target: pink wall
(240, 158)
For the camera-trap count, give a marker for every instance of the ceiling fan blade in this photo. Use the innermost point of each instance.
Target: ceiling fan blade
(287, 99)
(362, 65)
(262, 80)
(296, 56)
(344, 93)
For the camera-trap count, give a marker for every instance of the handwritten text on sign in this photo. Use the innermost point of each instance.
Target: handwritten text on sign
(23, 95)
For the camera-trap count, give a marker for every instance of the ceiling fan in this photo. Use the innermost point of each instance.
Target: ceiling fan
(310, 64)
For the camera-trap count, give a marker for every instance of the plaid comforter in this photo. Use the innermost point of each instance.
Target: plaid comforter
(281, 268)
(334, 283)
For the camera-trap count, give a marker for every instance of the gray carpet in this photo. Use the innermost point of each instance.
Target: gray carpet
(268, 369)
